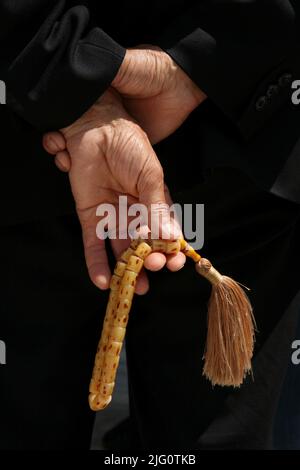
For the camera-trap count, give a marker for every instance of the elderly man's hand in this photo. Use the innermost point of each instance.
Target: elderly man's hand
(112, 156)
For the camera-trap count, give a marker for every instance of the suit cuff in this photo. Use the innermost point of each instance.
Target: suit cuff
(59, 101)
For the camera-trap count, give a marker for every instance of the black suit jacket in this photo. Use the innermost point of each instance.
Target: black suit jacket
(57, 57)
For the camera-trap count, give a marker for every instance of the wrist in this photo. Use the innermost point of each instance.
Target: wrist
(145, 71)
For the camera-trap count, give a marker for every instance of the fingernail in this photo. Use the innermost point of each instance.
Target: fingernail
(101, 282)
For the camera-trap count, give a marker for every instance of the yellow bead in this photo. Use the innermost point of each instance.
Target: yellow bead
(98, 402)
(106, 390)
(134, 244)
(126, 255)
(159, 245)
(115, 282)
(110, 366)
(113, 348)
(126, 292)
(117, 333)
(143, 250)
(172, 248)
(135, 264)
(120, 268)
(129, 279)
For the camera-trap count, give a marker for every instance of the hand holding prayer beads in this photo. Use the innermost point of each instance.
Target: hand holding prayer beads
(230, 335)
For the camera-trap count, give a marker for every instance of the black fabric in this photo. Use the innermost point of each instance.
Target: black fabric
(56, 62)
(289, 177)
(50, 318)
(58, 57)
(286, 425)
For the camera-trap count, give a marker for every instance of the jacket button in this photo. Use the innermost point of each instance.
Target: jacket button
(285, 79)
(272, 90)
(260, 103)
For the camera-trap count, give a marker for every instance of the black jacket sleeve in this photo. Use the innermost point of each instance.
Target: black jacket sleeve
(243, 54)
(54, 61)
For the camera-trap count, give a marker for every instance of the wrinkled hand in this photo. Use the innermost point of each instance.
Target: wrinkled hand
(112, 156)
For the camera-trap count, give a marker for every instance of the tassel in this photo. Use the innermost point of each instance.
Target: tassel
(230, 336)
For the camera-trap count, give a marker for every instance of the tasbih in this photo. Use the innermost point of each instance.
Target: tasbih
(230, 329)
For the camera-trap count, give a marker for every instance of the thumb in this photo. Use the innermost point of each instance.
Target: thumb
(154, 195)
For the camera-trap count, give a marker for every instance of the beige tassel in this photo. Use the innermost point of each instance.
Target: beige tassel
(230, 336)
